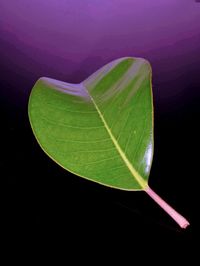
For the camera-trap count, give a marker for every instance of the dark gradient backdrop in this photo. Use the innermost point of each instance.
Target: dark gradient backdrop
(68, 40)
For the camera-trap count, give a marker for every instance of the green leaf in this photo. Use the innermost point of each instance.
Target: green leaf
(102, 128)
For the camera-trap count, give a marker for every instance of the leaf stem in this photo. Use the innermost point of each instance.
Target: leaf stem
(183, 223)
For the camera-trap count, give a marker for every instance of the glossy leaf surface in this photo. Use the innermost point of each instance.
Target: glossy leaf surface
(102, 128)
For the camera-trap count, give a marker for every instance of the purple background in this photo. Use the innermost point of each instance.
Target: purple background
(69, 40)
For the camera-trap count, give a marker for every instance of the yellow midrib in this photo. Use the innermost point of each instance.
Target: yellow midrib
(135, 174)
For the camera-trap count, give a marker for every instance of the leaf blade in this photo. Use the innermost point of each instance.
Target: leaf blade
(87, 98)
(136, 175)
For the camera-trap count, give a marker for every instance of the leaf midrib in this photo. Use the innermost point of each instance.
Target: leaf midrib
(130, 167)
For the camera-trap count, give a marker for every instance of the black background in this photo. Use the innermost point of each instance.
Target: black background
(46, 204)
(42, 196)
